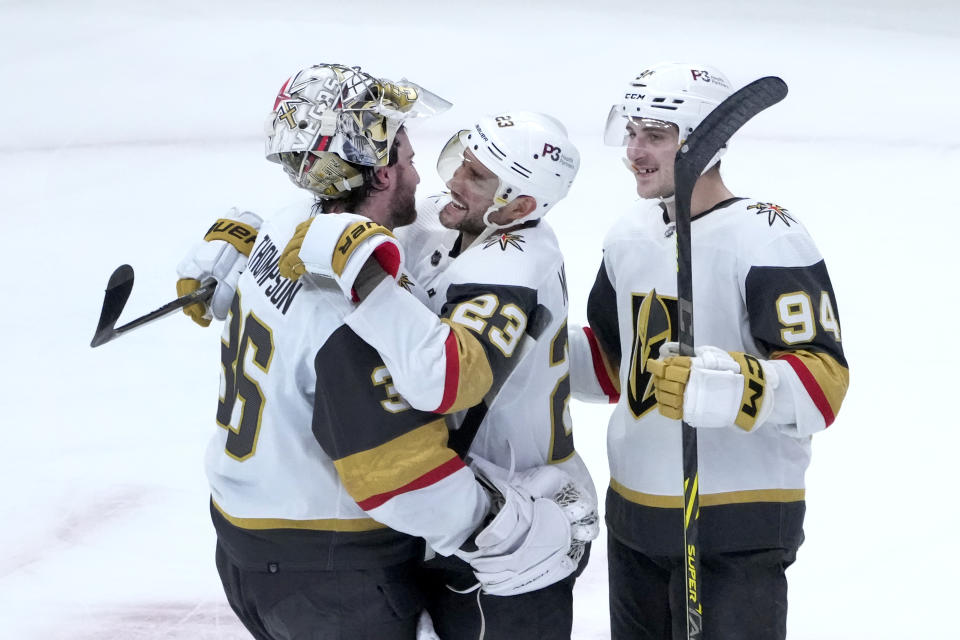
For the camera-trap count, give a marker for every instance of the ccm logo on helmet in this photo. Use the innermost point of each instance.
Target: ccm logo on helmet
(634, 96)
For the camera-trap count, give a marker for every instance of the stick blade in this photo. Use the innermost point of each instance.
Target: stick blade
(725, 120)
(115, 297)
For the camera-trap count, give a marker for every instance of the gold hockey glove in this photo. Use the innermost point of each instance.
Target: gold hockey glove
(354, 251)
(715, 388)
(221, 256)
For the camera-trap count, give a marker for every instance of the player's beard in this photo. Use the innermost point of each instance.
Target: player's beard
(460, 220)
(403, 208)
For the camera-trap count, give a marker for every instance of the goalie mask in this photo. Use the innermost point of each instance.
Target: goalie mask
(669, 93)
(328, 120)
(529, 154)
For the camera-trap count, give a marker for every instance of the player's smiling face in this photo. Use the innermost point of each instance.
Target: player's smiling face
(651, 148)
(472, 189)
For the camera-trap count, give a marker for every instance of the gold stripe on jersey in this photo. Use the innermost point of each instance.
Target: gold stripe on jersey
(395, 463)
(350, 239)
(830, 376)
(709, 499)
(321, 524)
(612, 368)
(474, 375)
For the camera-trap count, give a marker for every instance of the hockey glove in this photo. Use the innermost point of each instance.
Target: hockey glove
(222, 256)
(354, 251)
(715, 388)
(538, 532)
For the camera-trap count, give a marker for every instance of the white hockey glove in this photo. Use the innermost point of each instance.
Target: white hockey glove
(715, 388)
(538, 535)
(354, 251)
(222, 256)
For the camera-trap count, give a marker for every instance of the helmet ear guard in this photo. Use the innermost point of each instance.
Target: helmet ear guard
(330, 119)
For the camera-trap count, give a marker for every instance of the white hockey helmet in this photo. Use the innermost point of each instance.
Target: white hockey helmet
(529, 152)
(329, 119)
(677, 93)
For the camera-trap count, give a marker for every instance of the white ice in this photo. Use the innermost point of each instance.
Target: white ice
(126, 127)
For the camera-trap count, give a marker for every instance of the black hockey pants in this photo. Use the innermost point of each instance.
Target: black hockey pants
(545, 614)
(372, 604)
(744, 594)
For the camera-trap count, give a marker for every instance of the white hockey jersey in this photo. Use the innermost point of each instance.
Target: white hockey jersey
(759, 286)
(475, 362)
(316, 453)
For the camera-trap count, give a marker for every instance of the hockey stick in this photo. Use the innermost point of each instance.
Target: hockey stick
(706, 140)
(115, 298)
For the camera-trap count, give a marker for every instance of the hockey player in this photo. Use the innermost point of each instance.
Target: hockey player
(770, 373)
(324, 481)
(494, 270)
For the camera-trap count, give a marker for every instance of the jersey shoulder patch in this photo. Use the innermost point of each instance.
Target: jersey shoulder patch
(521, 257)
(773, 213)
(505, 240)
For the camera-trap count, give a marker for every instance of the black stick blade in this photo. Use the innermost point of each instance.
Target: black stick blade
(114, 299)
(725, 120)
(707, 139)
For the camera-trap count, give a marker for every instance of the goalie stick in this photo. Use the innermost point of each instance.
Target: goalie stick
(115, 298)
(700, 147)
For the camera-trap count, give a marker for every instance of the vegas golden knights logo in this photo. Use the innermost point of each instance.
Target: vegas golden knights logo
(654, 324)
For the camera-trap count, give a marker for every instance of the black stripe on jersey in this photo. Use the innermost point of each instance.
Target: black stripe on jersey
(356, 407)
(461, 439)
(602, 315)
(773, 321)
(723, 528)
(524, 298)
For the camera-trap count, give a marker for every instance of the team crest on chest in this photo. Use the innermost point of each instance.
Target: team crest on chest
(774, 212)
(654, 325)
(505, 240)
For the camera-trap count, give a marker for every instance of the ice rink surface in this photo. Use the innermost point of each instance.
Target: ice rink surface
(127, 127)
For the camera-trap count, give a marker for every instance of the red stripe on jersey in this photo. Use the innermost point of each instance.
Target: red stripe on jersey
(323, 143)
(600, 369)
(812, 386)
(451, 379)
(388, 255)
(433, 476)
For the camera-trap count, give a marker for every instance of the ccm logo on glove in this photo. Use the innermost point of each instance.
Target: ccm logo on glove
(714, 389)
(753, 388)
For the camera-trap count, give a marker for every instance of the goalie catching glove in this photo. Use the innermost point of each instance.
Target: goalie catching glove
(541, 523)
(354, 251)
(222, 256)
(715, 388)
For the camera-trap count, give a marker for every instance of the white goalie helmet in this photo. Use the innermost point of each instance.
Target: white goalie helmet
(673, 92)
(529, 153)
(329, 119)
